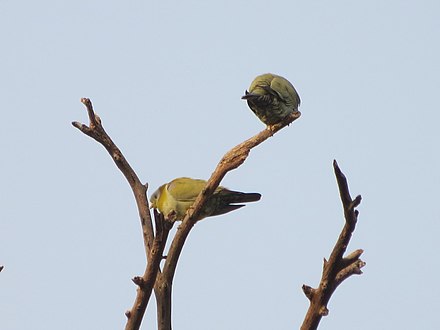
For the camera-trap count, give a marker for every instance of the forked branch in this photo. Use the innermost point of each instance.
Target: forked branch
(230, 161)
(337, 268)
(155, 242)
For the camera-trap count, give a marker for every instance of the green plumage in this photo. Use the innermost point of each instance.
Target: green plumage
(272, 98)
(179, 195)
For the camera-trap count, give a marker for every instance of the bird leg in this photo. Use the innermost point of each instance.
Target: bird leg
(171, 216)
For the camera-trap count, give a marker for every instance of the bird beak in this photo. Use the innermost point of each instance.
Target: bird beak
(245, 96)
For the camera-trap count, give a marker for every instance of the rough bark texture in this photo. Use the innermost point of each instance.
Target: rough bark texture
(337, 268)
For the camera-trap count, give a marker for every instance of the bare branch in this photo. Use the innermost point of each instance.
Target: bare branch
(230, 161)
(146, 282)
(351, 258)
(337, 268)
(352, 269)
(154, 244)
(96, 131)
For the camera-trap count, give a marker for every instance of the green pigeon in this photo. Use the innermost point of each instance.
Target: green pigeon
(272, 98)
(173, 199)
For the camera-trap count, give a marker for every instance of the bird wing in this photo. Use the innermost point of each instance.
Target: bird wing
(185, 189)
(260, 83)
(285, 90)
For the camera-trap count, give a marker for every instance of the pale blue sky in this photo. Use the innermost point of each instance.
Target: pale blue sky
(166, 78)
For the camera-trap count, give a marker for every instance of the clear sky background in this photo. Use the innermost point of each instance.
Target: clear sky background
(166, 78)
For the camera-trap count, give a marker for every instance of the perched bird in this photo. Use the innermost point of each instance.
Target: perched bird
(175, 198)
(272, 98)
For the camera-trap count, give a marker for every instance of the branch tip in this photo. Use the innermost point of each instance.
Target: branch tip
(94, 118)
(358, 271)
(308, 291)
(356, 201)
(86, 101)
(353, 268)
(83, 128)
(128, 314)
(138, 280)
(361, 264)
(323, 311)
(336, 166)
(354, 255)
(340, 176)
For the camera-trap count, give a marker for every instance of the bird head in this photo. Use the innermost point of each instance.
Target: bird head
(155, 197)
(246, 95)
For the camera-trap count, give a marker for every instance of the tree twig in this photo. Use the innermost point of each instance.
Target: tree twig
(337, 268)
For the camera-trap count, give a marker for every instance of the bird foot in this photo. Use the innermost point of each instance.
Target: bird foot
(172, 216)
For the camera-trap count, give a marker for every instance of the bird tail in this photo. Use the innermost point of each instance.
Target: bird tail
(234, 197)
(229, 200)
(225, 209)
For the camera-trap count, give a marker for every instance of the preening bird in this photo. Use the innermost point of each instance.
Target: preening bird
(178, 195)
(272, 98)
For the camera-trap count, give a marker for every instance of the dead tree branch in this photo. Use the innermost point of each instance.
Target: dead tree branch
(146, 282)
(337, 268)
(230, 161)
(155, 242)
(96, 131)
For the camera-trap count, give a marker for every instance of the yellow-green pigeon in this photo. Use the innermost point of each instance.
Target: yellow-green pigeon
(272, 98)
(174, 198)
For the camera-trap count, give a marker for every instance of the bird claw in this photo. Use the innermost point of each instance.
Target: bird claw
(171, 216)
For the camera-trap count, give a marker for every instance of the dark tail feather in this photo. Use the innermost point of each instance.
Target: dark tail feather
(229, 200)
(234, 197)
(225, 209)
